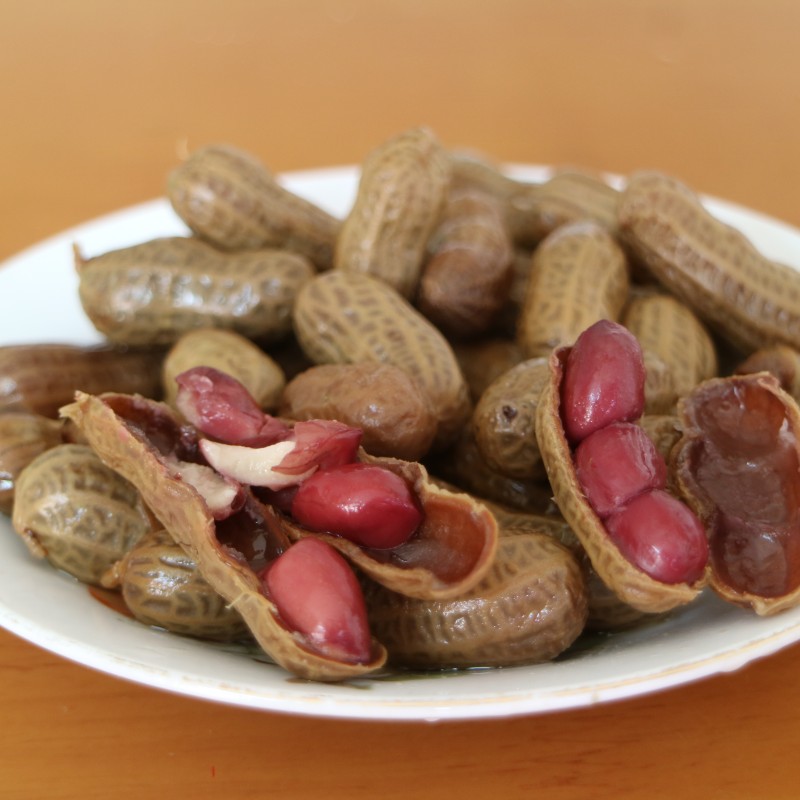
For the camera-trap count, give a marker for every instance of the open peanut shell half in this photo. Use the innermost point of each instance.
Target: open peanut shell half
(737, 466)
(136, 437)
(450, 552)
(630, 584)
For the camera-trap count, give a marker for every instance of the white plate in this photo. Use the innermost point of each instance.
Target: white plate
(39, 302)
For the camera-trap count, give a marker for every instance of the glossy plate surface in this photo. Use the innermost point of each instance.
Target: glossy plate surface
(39, 302)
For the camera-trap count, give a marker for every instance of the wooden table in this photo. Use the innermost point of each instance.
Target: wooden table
(98, 99)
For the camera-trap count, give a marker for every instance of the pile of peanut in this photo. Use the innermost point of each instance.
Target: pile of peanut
(438, 318)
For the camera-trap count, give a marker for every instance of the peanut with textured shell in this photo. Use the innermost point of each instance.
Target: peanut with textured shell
(382, 400)
(504, 420)
(468, 272)
(712, 267)
(401, 192)
(670, 331)
(154, 292)
(342, 317)
(75, 511)
(229, 198)
(231, 353)
(630, 584)
(115, 425)
(40, 378)
(529, 608)
(23, 437)
(161, 586)
(579, 275)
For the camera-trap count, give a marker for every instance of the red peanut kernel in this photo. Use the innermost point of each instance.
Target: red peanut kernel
(365, 503)
(661, 536)
(616, 463)
(603, 380)
(318, 596)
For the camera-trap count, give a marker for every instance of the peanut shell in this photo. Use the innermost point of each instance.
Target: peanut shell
(579, 275)
(229, 198)
(341, 318)
(116, 426)
(400, 194)
(629, 583)
(154, 292)
(712, 267)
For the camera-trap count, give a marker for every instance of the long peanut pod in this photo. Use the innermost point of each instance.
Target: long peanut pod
(712, 267)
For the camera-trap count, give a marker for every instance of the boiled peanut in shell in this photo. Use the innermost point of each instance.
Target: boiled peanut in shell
(781, 361)
(382, 400)
(78, 513)
(628, 573)
(579, 275)
(40, 378)
(152, 293)
(712, 267)
(529, 608)
(162, 587)
(342, 317)
(231, 353)
(229, 198)
(401, 192)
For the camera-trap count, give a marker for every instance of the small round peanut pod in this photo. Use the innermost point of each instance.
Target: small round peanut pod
(162, 587)
(341, 318)
(630, 584)
(229, 198)
(400, 194)
(72, 509)
(579, 275)
(23, 437)
(504, 420)
(382, 400)
(231, 353)
(152, 293)
(529, 607)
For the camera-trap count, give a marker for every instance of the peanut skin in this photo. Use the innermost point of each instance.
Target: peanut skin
(231, 353)
(400, 195)
(710, 266)
(380, 399)
(466, 279)
(153, 292)
(229, 198)
(579, 275)
(341, 318)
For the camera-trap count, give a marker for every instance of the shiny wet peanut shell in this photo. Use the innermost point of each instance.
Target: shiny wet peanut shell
(109, 423)
(629, 583)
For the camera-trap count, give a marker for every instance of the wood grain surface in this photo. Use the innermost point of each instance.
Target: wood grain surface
(100, 99)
